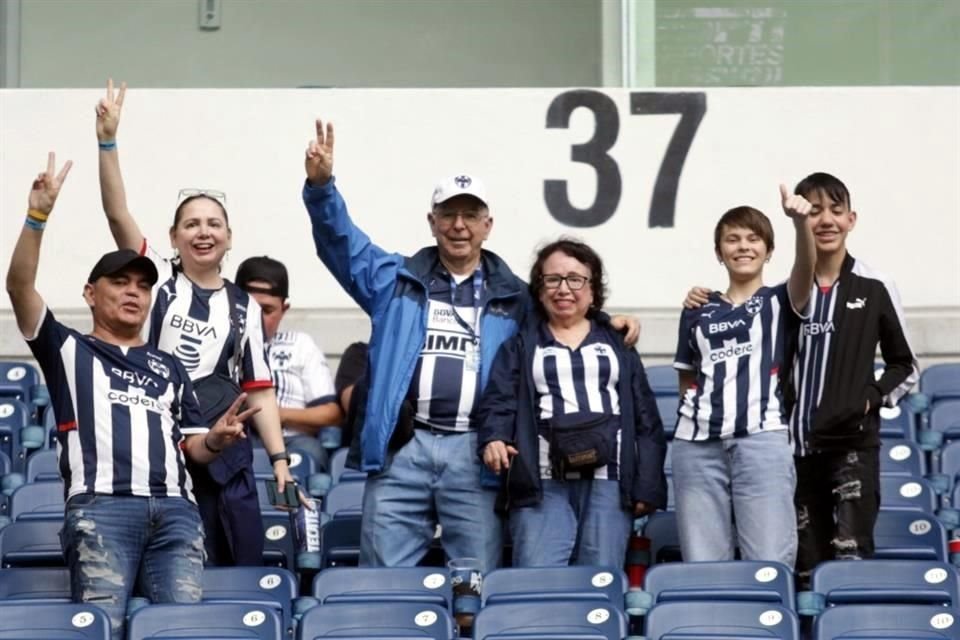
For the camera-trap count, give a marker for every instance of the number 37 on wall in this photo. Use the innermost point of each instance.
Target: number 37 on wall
(595, 152)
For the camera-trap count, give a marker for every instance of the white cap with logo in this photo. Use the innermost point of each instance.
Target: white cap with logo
(457, 185)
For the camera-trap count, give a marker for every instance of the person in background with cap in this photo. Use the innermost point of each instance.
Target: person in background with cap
(438, 318)
(126, 415)
(301, 376)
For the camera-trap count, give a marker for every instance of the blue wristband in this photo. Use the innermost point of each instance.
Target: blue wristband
(108, 145)
(35, 224)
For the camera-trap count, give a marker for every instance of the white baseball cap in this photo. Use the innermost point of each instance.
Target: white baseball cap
(456, 185)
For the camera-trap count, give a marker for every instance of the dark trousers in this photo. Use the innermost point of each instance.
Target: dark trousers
(837, 500)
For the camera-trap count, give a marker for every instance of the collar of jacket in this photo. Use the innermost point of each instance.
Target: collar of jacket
(500, 280)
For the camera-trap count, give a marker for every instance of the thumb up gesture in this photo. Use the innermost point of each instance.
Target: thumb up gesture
(796, 207)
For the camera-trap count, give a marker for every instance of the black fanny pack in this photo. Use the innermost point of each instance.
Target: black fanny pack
(580, 441)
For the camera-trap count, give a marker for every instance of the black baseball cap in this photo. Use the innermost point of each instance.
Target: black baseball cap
(264, 269)
(116, 261)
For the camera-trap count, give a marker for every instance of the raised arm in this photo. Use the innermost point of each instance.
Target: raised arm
(124, 228)
(805, 258)
(22, 274)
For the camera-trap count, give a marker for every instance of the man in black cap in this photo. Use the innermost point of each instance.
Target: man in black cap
(126, 414)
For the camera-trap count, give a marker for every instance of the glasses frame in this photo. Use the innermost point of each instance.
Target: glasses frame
(449, 218)
(191, 192)
(565, 279)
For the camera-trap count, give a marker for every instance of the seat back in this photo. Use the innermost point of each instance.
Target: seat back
(52, 621)
(383, 584)
(897, 423)
(37, 501)
(901, 457)
(741, 580)
(661, 529)
(340, 542)
(901, 493)
(31, 543)
(48, 584)
(43, 466)
(663, 380)
(721, 621)
(257, 586)
(945, 418)
(376, 621)
(205, 620)
(344, 499)
(550, 620)
(14, 416)
(17, 380)
(887, 582)
(600, 584)
(338, 467)
(667, 406)
(889, 622)
(941, 381)
(908, 535)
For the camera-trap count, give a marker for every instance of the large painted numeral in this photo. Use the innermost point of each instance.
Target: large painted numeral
(593, 152)
(691, 107)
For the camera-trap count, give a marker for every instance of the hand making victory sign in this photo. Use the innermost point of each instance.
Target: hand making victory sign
(319, 156)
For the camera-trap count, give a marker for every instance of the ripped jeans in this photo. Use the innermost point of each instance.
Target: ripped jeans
(837, 500)
(115, 545)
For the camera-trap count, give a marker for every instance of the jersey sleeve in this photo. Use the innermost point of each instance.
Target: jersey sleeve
(687, 355)
(46, 344)
(254, 368)
(317, 380)
(191, 417)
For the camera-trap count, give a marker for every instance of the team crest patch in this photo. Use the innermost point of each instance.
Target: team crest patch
(754, 305)
(158, 367)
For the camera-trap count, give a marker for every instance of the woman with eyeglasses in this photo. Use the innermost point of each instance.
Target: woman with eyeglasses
(570, 421)
(214, 328)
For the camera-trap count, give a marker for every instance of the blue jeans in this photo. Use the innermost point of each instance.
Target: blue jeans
(432, 479)
(579, 520)
(736, 493)
(108, 541)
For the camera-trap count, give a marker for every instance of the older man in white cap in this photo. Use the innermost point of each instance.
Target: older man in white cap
(438, 318)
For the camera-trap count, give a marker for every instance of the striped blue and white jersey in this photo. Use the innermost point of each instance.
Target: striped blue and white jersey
(301, 375)
(737, 353)
(122, 413)
(569, 381)
(445, 385)
(194, 324)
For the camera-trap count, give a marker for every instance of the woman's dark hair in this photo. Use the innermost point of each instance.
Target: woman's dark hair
(580, 252)
(180, 207)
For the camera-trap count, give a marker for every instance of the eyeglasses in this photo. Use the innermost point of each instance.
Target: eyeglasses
(574, 282)
(449, 216)
(185, 194)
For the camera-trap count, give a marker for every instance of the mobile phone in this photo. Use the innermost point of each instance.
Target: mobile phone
(288, 498)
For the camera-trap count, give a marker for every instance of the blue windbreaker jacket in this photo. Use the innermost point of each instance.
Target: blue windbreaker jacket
(392, 290)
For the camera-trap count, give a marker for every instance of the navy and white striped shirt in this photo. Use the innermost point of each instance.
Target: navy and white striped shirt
(122, 413)
(301, 375)
(737, 353)
(194, 325)
(445, 385)
(581, 380)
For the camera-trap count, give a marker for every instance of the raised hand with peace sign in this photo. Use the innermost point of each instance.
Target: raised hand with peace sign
(108, 112)
(46, 188)
(226, 431)
(319, 156)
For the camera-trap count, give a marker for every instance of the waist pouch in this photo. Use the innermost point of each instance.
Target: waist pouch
(580, 441)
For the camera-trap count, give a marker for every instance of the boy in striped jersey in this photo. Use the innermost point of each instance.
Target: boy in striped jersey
(126, 415)
(833, 394)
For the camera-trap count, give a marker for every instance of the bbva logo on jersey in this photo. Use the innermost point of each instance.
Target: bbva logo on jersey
(725, 325)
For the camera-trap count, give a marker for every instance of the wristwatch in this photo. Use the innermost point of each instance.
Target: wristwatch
(283, 455)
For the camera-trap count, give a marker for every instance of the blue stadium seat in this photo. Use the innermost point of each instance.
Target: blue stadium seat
(43, 466)
(945, 419)
(14, 424)
(205, 620)
(667, 407)
(17, 380)
(909, 535)
(37, 584)
(940, 382)
(376, 621)
(5, 464)
(338, 467)
(841, 582)
(740, 581)
(396, 584)
(897, 423)
(340, 542)
(668, 460)
(663, 380)
(344, 499)
(901, 457)
(661, 529)
(271, 587)
(550, 620)
(598, 584)
(52, 621)
(278, 543)
(31, 543)
(900, 493)
(721, 621)
(37, 501)
(889, 622)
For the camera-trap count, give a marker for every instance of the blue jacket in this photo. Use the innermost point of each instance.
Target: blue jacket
(508, 412)
(392, 290)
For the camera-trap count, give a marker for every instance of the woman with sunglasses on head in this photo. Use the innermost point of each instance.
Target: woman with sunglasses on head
(216, 330)
(570, 421)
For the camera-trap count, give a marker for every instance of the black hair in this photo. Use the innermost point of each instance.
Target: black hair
(830, 185)
(580, 252)
(266, 269)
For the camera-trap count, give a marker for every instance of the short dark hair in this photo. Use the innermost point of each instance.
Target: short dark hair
(830, 185)
(578, 251)
(180, 207)
(746, 218)
(266, 269)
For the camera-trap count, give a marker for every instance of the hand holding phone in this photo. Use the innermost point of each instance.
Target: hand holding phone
(286, 500)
